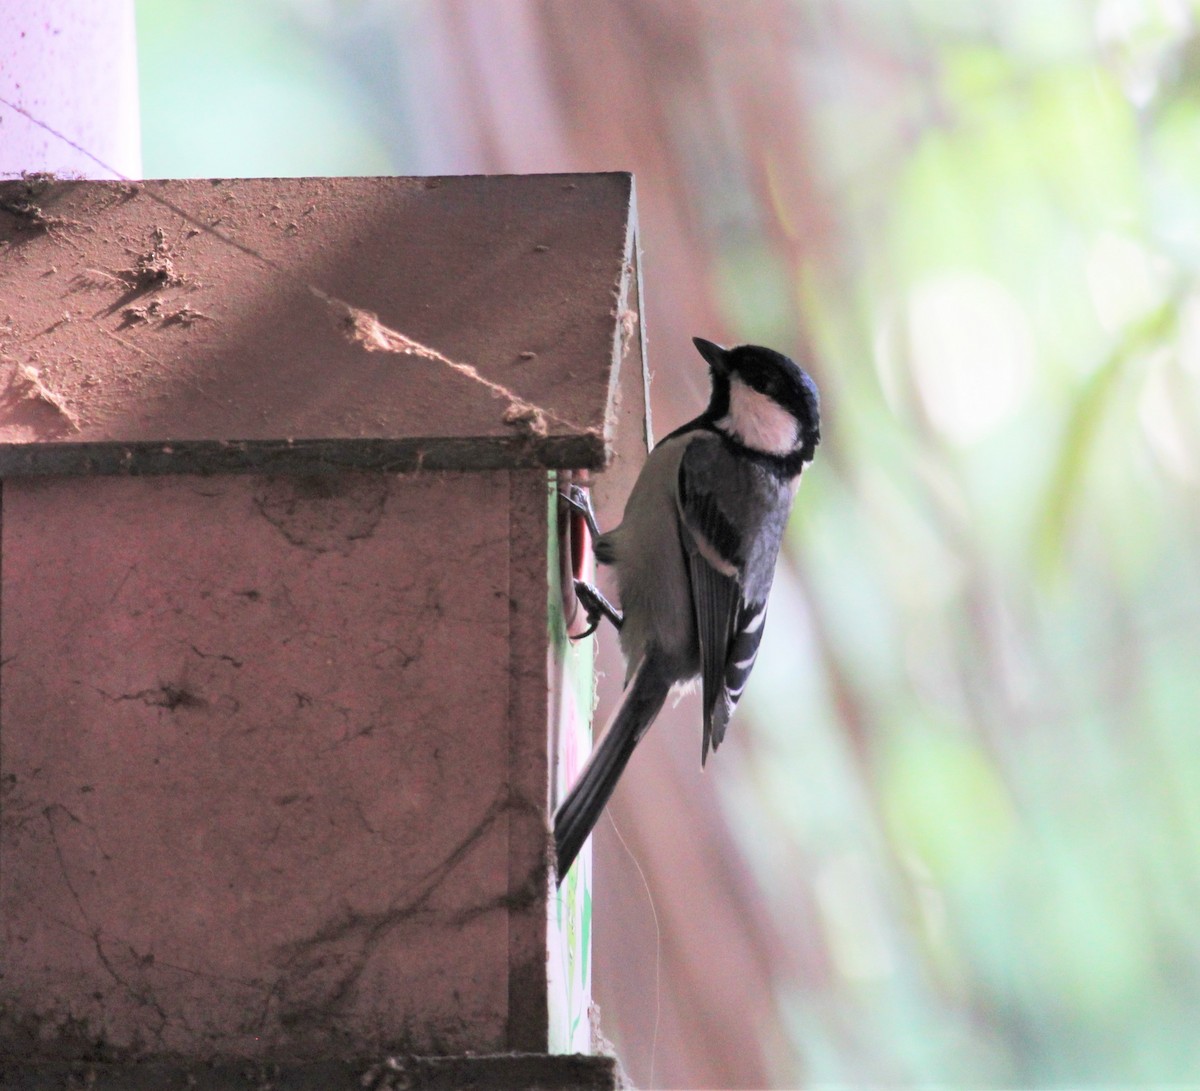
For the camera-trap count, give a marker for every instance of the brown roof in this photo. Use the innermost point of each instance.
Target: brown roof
(301, 323)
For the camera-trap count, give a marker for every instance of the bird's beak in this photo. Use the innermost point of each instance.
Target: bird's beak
(714, 354)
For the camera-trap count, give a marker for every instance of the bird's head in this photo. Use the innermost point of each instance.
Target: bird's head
(763, 400)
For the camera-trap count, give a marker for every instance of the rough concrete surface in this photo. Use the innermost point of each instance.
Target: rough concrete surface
(255, 744)
(193, 325)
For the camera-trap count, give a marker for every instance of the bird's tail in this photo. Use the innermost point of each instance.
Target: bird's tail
(644, 696)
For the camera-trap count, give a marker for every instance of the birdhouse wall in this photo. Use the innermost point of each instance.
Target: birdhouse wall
(274, 764)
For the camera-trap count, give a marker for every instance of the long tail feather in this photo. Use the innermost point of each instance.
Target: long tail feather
(580, 811)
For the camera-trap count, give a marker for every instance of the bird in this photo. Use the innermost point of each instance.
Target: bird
(694, 558)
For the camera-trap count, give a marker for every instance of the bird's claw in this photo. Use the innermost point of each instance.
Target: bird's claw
(596, 606)
(580, 502)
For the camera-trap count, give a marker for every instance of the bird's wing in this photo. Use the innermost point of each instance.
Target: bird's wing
(739, 660)
(727, 628)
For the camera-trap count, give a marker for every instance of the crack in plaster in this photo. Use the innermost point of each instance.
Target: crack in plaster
(323, 514)
(143, 996)
(303, 959)
(217, 655)
(112, 952)
(165, 695)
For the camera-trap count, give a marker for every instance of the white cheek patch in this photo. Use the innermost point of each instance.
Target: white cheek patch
(760, 423)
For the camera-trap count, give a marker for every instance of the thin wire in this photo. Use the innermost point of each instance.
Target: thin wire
(657, 944)
(193, 220)
(64, 138)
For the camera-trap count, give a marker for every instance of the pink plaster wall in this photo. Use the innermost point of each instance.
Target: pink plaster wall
(255, 741)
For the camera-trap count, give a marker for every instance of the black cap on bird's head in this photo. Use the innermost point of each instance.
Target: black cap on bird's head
(770, 374)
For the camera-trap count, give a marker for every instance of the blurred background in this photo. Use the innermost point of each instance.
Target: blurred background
(954, 836)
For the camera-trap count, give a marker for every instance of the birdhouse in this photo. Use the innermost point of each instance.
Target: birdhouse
(288, 693)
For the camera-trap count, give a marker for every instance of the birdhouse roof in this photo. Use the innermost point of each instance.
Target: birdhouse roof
(220, 325)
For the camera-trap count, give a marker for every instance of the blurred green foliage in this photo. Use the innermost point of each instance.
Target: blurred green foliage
(1008, 874)
(245, 90)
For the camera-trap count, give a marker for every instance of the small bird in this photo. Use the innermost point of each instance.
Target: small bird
(694, 557)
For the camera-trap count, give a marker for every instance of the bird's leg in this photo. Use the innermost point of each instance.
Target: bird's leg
(578, 500)
(596, 606)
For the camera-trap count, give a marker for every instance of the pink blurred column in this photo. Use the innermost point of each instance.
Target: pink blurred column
(72, 65)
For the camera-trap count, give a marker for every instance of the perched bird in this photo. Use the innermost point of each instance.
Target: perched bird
(694, 558)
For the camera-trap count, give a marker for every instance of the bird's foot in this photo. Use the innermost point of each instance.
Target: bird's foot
(596, 606)
(579, 501)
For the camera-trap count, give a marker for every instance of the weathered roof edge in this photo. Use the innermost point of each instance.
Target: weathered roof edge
(585, 448)
(587, 451)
